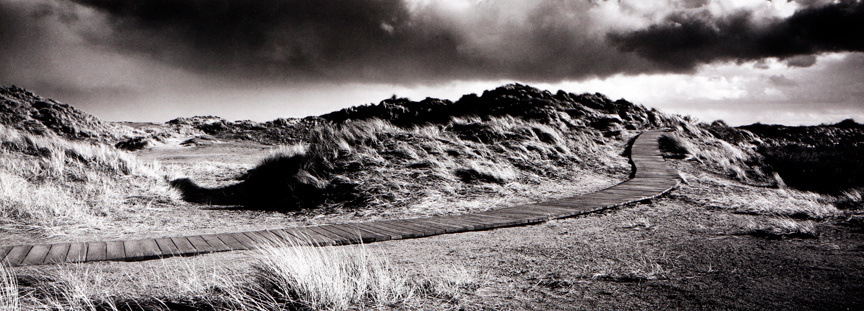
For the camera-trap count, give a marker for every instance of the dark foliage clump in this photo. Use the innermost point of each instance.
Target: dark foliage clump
(825, 158)
(825, 169)
(673, 147)
(278, 183)
(132, 144)
(514, 100)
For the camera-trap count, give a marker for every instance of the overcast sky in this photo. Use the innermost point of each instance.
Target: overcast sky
(743, 61)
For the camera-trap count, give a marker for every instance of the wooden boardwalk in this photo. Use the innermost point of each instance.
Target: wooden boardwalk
(651, 178)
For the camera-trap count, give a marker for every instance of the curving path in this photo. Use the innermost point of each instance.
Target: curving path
(650, 178)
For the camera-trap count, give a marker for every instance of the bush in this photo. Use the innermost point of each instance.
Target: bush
(673, 146)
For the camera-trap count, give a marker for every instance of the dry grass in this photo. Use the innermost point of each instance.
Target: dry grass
(779, 228)
(392, 168)
(287, 276)
(330, 278)
(739, 162)
(381, 169)
(48, 182)
(9, 300)
(720, 193)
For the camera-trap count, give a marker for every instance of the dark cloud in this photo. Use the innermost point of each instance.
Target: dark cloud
(801, 61)
(687, 39)
(278, 38)
(365, 40)
(781, 80)
(399, 41)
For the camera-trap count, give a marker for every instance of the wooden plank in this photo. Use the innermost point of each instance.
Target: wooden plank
(288, 237)
(77, 252)
(518, 216)
(245, 240)
(115, 250)
(140, 249)
(569, 213)
(356, 236)
(97, 251)
(57, 254)
(443, 228)
(184, 247)
(349, 237)
(37, 254)
(491, 222)
(380, 233)
(451, 228)
(449, 220)
(439, 228)
(3, 251)
(575, 203)
(404, 232)
(418, 230)
(515, 217)
(132, 249)
(167, 247)
(395, 234)
(215, 243)
(377, 235)
(230, 241)
(505, 220)
(258, 238)
(301, 237)
(309, 237)
(476, 224)
(17, 254)
(334, 239)
(277, 240)
(554, 211)
(374, 227)
(530, 212)
(200, 244)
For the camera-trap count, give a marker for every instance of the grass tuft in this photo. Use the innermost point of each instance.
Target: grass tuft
(331, 278)
(781, 228)
(9, 300)
(486, 173)
(674, 146)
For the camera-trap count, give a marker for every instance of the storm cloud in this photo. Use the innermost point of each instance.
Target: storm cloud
(393, 41)
(687, 39)
(79, 47)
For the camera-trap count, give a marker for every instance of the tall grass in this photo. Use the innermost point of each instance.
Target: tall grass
(9, 300)
(47, 181)
(330, 278)
(725, 194)
(779, 228)
(740, 162)
(289, 276)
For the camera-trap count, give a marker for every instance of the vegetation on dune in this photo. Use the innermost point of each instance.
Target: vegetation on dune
(33, 114)
(824, 158)
(401, 152)
(47, 182)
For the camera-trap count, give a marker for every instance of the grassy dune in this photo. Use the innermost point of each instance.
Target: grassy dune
(49, 183)
(374, 164)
